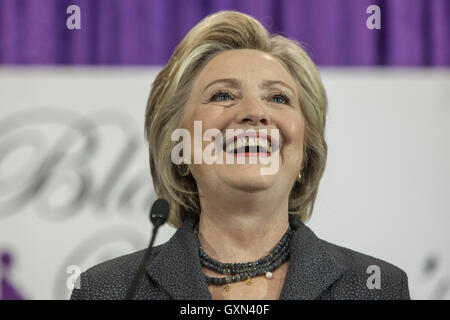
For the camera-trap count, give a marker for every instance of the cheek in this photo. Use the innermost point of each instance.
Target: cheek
(210, 117)
(293, 128)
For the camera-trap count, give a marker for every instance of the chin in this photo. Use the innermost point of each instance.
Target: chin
(250, 179)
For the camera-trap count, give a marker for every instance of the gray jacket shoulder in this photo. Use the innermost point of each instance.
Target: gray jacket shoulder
(111, 279)
(366, 277)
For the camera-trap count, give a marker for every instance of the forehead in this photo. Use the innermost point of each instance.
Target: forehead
(244, 63)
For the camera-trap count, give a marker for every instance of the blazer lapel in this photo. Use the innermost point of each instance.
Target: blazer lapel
(311, 268)
(177, 267)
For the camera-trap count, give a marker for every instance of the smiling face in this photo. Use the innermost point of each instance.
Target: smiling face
(257, 93)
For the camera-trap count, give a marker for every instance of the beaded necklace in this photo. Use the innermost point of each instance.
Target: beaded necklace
(246, 271)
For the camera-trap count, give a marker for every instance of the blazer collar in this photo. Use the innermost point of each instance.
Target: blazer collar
(177, 268)
(311, 268)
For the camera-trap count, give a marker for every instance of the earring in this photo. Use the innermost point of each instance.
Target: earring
(299, 176)
(183, 170)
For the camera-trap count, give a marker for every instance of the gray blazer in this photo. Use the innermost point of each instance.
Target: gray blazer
(317, 270)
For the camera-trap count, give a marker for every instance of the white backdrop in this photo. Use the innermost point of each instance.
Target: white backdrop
(75, 187)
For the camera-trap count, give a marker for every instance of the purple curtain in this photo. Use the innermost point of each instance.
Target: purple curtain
(145, 32)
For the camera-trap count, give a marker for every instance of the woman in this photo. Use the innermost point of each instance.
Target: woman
(241, 233)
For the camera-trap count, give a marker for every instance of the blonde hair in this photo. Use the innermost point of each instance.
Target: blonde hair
(218, 32)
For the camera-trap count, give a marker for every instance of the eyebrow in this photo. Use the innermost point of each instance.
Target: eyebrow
(235, 83)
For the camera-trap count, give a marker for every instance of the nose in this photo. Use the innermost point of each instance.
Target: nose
(253, 111)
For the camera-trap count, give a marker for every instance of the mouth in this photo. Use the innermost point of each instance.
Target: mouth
(251, 144)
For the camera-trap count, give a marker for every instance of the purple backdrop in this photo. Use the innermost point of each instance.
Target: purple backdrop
(137, 32)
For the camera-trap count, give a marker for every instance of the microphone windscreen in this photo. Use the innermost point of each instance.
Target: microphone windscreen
(159, 212)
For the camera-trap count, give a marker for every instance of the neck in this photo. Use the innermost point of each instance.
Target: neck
(244, 229)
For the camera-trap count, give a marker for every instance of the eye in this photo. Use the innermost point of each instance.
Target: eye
(280, 98)
(221, 96)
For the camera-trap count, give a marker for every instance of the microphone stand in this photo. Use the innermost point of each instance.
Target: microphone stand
(140, 272)
(158, 216)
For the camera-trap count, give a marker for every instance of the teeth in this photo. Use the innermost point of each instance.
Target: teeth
(262, 143)
(249, 142)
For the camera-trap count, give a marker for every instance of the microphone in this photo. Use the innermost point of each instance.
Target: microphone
(158, 216)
